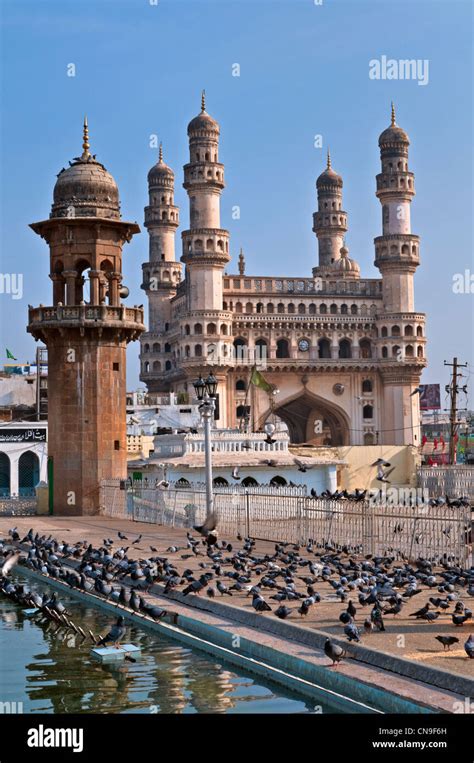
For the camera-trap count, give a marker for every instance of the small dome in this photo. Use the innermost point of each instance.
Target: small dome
(160, 173)
(346, 267)
(85, 188)
(203, 121)
(329, 177)
(393, 134)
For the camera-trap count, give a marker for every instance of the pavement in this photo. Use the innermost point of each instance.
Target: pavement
(405, 637)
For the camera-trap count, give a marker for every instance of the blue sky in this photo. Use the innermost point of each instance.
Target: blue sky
(304, 70)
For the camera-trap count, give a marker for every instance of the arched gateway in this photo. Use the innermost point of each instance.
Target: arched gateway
(309, 418)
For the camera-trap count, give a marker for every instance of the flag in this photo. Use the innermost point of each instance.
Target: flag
(435, 444)
(258, 380)
(424, 440)
(10, 356)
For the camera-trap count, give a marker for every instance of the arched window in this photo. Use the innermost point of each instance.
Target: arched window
(249, 482)
(182, 483)
(262, 346)
(408, 331)
(249, 307)
(384, 352)
(324, 348)
(383, 331)
(220, 482)
(312, 309)
(278, 481)
(146, 367)
(354, 310)
(259, 307)
(238, 307)
(187, 351)
(344, 310)
(241, 411)
(419, 351)
(345, 350)
(209, 244)
(167, 347)
(367, 412)
(198, 328)
(4, 475)
(211, 328)
(323, 309)
(239, 347)
(270, 307)
(28, 473)
(168, 365)
(291, 308)
(333, 309)
(280, 307)
(419, 331)
(409, 351)
(224, 329)
(301, 308)
(365, 348)
(367, 386)
(156, 365)
(146, 348)
(240, 385)
(157, 347)
(395, 350)
(198, 351)
(282, 350)
(395, 330)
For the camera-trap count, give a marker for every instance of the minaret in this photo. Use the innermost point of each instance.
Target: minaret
(397, 250)
(205, 244)
(401, 330)
(86, 329)
(161, 274)
(330, 221)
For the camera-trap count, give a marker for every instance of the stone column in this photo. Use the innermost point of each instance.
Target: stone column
(114, 286)
(70, 278)
(94, 276)
(58, 287)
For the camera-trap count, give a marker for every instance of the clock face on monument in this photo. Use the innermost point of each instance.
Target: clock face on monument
(303, 345)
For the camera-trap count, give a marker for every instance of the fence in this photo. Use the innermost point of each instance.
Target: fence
(18, 506)
(289, 515)
(454, 481)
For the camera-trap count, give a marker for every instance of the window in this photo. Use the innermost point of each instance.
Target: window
(366, 386)
(367, 412)
(291, 308)
(409, 351)
(419, 331)
(383, 331)
(197, 328)
(167, 347)
(259, 307)
(116, 444)
(419, 351)
(312, 309)
(239, 347)
(146, 348)
(395, 330)
(280, 307)
(198, 351)
(278, 481)
(168, 365)
(395, 350)
(249, 482)
(238, 307)
(156, 365)
(354, 310)
(270, 308)
(249, 307)
(211, 328)
(220, 482)
(333, 309)
(345, 350)
(282, 349)
(324, 348)
(157, 347)
(240, 385)
(262, 348)
(344, 310)
(384, 352)
(301, 309)
(365, 348)
(323, 309)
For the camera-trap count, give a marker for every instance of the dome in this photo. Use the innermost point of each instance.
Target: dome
(85, 188)
(329, 177)
(346, 267)
(393, 134)
(160, 173)
(203, 121)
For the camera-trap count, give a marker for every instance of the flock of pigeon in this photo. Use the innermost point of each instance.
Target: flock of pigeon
(379, 586)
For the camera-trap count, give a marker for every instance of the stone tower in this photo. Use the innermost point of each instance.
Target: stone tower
(330, 221)
(161, 274)
(397, 257)
(86, 330)
(205, 244)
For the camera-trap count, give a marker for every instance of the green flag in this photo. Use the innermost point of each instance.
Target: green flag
(259, 381)
(9, 355)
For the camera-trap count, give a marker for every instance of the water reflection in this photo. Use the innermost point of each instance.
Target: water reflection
(51, 670)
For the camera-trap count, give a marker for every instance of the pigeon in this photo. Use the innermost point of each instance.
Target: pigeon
(282, 612)
(235, 473)
(469, 646)
(137, 540)
(416, 391)
(259, 604)
(208, 529)
(302, 467)
(9, 563)
(345, 618)
(196, 586)
(461, 619)
(447, 641)
(334, 652)
(122, 536)
(269, 461)
(115, 635)
(352, 632)
(222, 588)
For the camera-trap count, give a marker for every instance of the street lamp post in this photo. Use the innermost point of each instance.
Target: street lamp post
(206, 394)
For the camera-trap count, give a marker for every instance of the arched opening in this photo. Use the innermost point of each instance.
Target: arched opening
(323, 309)
(344, 310)
(384, 352)
(291, 308)
(4, 475)
(238, 307)
(249, 307)
(146, 348)
(187, 329)
(301, 309)
(28, 473)
(383, 331)
(211, 328)
(156, 365)
(240, 347)
(409, 351)
(333, 309)
(367, 386)
(240, 385)
(395, 330)
(419, 351)
(198, 351)
(262, 349)
(197, 328)
(280, 307)
(182, 483)
(345, 350)
(408, 331)
(278, 481)
(157, 347)
(270, 307)
(419, 331)
(365, 348)
(167, 347)
(282, 348)
(312, 309)
(395, 350)
(367, 412)
(223, 329)
(168, 365)
(324, 348)
(314, 420)
(259, 307)
(354, 310)
(220, 482)
(249, 482)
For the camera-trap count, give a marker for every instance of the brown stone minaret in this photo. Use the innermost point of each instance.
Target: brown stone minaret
(86, 330)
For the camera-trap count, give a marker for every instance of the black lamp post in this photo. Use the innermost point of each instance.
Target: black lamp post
(206, 394)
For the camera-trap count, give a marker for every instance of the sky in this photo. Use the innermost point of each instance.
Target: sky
(140, 66)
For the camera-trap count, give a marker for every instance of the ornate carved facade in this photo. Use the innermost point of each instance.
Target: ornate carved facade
(344, 353)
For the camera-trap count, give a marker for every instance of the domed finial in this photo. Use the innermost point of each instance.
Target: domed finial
(160, 155)
(329, 161)
(85, 140)
(393, 114)
(241, 263)
(203, 102)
